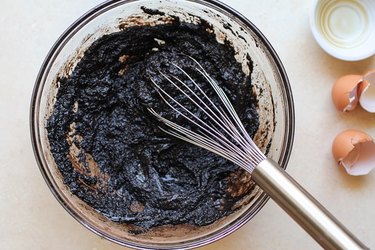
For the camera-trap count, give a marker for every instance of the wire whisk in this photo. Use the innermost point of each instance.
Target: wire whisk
(218, 128)
(224, 122)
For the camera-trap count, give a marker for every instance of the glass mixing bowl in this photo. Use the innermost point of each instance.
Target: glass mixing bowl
(270, 84)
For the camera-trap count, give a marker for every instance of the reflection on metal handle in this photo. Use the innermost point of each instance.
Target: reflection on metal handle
(303, 208)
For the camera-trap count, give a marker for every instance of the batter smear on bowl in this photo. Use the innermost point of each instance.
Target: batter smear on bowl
(109, 148)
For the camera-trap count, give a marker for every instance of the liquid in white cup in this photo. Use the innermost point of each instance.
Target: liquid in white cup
(345, 28)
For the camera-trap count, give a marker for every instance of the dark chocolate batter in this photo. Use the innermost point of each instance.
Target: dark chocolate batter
(109, 148)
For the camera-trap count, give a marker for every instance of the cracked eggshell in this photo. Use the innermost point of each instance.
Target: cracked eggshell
(346, 91)
(355, 151)
(367, 97)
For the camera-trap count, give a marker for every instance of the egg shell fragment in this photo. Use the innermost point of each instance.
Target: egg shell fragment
(346, 91)
(367, 97)
(355, 151)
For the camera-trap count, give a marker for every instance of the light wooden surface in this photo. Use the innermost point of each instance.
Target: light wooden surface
(31, 218)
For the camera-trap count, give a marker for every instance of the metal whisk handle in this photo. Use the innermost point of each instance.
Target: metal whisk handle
(303, 208)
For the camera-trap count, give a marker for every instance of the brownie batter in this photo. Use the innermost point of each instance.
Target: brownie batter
(109, 148)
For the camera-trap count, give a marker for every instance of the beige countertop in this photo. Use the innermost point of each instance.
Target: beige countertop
(31, 218)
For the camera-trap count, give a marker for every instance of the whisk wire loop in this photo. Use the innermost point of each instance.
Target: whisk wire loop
(211, 130)
(224, 143)
(223, 133)
(224, 120)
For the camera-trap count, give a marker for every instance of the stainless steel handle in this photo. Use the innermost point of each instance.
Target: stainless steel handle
(303, 208)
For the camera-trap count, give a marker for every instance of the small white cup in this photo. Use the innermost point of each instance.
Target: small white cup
(345, 29)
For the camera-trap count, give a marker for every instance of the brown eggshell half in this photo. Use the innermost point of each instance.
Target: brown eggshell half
(345, 92)
(355, 151)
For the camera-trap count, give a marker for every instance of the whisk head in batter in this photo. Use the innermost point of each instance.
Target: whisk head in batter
(219, 131)
(217, 127)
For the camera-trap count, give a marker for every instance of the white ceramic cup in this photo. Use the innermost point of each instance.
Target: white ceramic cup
(345, 29)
